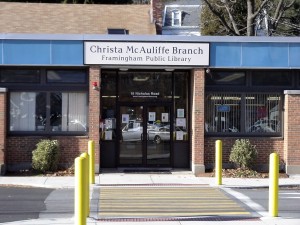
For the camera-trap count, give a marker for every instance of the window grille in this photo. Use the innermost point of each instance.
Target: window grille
(262, 113)
(243, 113)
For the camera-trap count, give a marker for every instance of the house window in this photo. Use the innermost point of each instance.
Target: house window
(117, 31)
(176, 18)
(56, 103)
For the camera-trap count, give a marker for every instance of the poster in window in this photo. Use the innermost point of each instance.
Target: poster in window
(125, 118)
(108, 135)
(180, 122)
(179, 135)
(165, 117)
(110, 123)
(180, 113)
(152, 116)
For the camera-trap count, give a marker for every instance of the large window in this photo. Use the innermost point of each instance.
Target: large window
(29, 110)
(243, 113)
(245, 102)
(55, 102)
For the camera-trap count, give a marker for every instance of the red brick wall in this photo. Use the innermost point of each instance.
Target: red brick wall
(20, 149)
(292, 132)
(264, 145)
(198, 82)
(94, 112)
(2, 127)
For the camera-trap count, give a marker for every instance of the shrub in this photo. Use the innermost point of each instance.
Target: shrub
(45, 156)
(243, 153)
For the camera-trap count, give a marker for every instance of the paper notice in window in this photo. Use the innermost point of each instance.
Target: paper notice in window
(125, 118)
(180, 113)
(108, 135)
(180, 122)
(179, 135)
(165, 117)
(152, 116)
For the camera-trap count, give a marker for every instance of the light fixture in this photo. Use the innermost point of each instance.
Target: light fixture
(123, 69)
(140, 78)
(95, 85)
(169, 69)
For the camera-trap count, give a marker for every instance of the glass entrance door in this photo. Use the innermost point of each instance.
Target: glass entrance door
(145, 135)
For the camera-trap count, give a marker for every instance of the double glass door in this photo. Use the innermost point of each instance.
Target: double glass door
(145, 135)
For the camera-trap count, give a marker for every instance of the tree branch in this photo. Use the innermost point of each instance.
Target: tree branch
(221, 18)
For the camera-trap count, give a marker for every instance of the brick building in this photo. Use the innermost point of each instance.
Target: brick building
(150, 101)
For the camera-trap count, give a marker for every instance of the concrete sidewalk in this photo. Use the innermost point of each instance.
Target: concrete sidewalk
(174, 178)
(119, 178)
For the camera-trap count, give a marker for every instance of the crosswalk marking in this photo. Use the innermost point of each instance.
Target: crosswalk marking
(131, 202)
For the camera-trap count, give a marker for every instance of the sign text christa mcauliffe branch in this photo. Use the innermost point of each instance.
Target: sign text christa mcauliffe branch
(146, 53)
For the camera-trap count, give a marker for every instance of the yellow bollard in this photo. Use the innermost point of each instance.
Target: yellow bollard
(86, 183)
(218, 162)
(273, 186)
(79, 210)
(91, 152)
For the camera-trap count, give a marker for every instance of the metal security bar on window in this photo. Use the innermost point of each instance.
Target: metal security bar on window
(262, 113)
(223, 113)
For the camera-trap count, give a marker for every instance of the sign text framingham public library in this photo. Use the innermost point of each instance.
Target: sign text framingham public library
(146, 53)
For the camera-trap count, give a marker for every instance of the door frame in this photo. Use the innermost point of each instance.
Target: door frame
(146, 105)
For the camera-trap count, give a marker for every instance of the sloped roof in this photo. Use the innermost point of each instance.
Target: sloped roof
(190, 10)
(74, 18)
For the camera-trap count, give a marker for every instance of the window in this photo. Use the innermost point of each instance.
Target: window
(66, 76)
(20, 76)
(117, 31)
(226, 78)
(68, 111)
(181, 104)
(56, 102)
(271, 78)
(29, 110)
(243, 113)
(108, 103)
(139, 86)
(252, 108)
(262, 113)
(223, 113)
(176, 18)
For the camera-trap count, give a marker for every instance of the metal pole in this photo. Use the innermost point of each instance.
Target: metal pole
(80, 211)
(91, 152)
(218, 162)
(273, 186)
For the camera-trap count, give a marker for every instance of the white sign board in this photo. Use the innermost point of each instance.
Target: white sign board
(146, 53)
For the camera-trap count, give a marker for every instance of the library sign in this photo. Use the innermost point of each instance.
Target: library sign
(146, 53)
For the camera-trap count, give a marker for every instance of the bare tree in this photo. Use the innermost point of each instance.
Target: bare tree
(234, 23)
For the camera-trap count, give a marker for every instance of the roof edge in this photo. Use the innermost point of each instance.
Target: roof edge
(159, 38)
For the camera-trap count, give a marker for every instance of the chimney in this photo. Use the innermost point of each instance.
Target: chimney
(157, 8)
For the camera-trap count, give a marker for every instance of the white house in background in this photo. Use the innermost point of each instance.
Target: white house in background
(182, 18)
